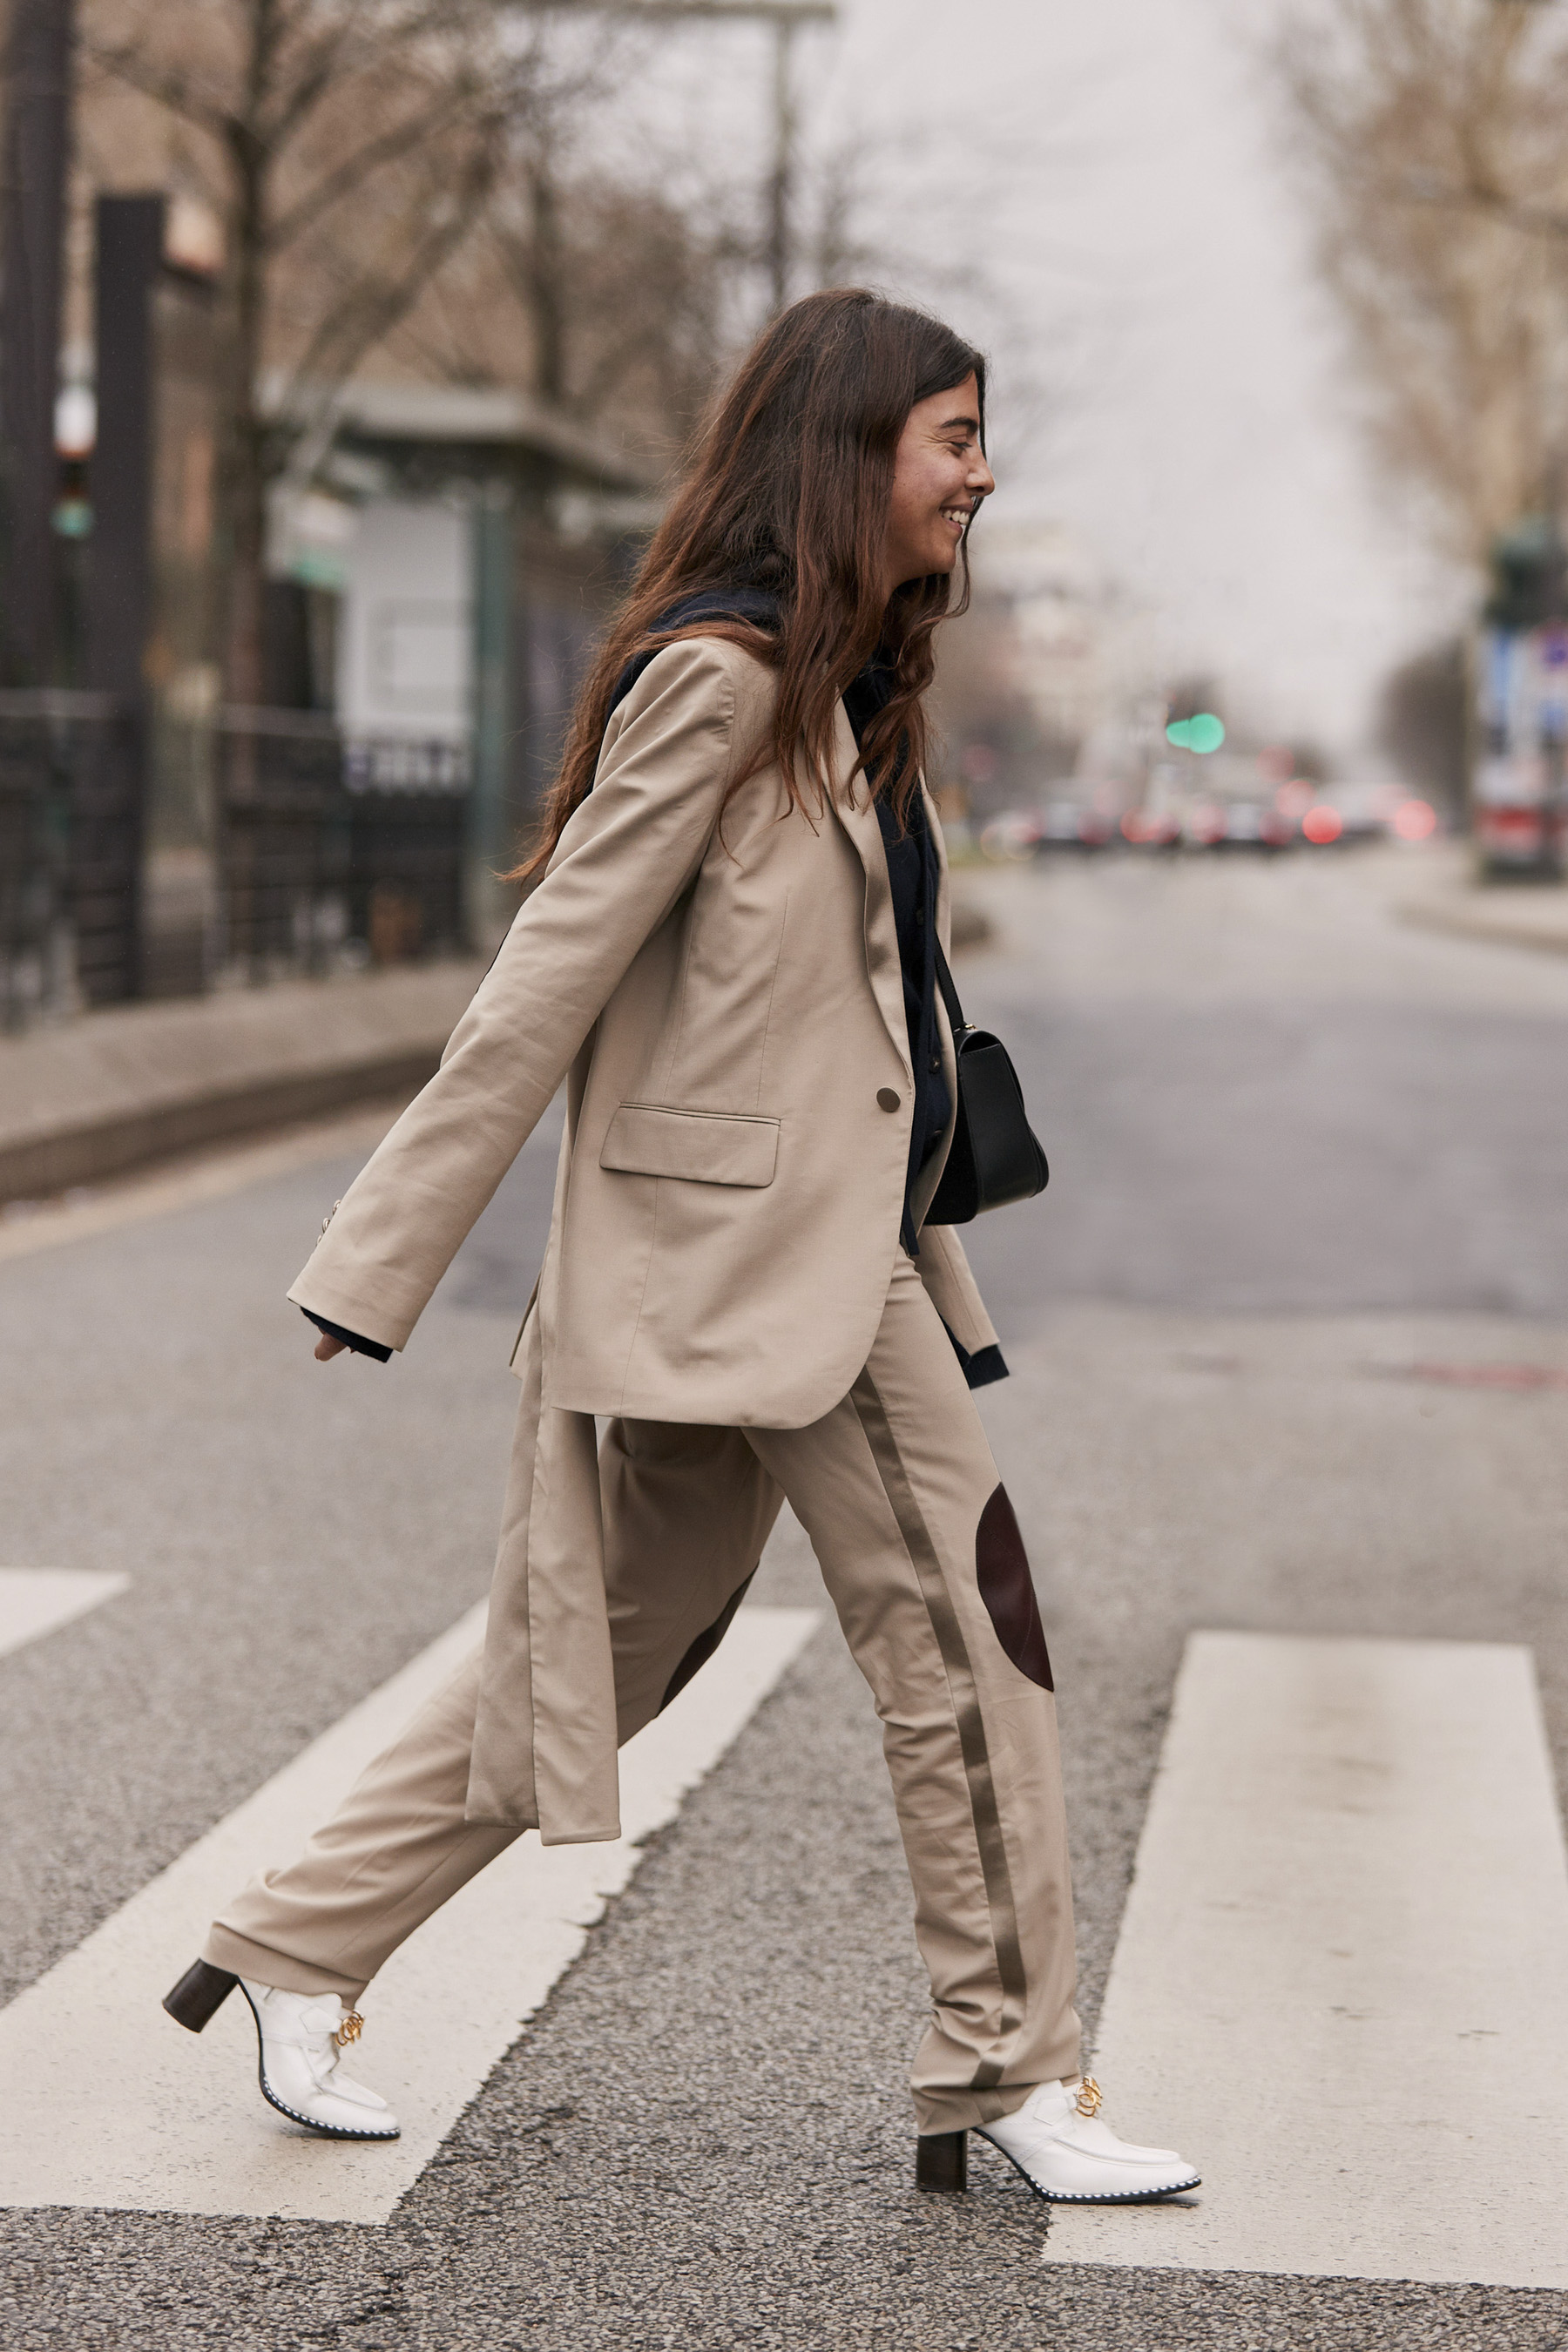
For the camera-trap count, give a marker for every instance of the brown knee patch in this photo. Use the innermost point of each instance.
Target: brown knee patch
(1002, 1569)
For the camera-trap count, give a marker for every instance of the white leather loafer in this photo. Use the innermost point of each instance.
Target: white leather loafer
(1065, 2154)
(302, 2037)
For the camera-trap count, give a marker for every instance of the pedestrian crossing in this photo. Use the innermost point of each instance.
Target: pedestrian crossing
(1341, 1985)
(107, 2103)
(1341, 1980)
(37, 1601)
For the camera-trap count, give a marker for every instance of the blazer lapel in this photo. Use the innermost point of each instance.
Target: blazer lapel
(857, 816)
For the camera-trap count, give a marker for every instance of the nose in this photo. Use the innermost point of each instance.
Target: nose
(981, 478)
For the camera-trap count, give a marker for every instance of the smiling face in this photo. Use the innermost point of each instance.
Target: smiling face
(940, 476)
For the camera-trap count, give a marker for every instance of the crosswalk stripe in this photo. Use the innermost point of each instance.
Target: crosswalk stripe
(1342, 1982)
(35, 1600)
(109, 2102)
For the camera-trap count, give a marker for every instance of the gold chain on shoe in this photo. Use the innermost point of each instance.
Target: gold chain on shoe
(1091, 2097)
(351, 2028)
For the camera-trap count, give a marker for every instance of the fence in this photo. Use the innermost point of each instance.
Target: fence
(69, 846)
(334, 848)
(327, 851)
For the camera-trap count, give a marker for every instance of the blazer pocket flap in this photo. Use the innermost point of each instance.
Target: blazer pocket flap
(701, 1147)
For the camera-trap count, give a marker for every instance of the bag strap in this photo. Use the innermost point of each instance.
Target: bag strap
(950, 995)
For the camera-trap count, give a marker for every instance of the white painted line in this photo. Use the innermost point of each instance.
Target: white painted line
(1341, 1983)
(35, 1600)
(108, 2102)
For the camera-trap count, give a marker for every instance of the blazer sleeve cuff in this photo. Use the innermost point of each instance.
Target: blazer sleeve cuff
(952, 1290)
(333, 1310)
(349, 1339)
(986, 1365)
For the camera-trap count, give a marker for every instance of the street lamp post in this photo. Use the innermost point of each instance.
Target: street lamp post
(786, 18)
(784, 28)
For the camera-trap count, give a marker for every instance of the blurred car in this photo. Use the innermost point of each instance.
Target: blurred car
(1346, 814)
(1203, 824)
(1243, 824)
(1152, 829)
(1366, 811)
(1418, 820)
(1323, 827)
(1059, 824)
(1013, 835)
(1095, 830)
(1519, 814)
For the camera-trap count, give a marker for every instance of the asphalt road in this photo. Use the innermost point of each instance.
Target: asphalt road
(1298, 1152)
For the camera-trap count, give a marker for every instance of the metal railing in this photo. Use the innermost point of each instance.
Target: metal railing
(335, 850)
(327, 852)
(69, 846)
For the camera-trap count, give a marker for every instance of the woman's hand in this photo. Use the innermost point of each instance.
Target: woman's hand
(327, 1347)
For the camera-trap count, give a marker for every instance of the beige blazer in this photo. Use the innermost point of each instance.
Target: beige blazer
(727, 1000)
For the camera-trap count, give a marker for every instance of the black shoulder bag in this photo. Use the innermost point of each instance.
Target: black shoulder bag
(994, 1157)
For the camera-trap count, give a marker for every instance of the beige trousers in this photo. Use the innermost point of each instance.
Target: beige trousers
(919, 1548)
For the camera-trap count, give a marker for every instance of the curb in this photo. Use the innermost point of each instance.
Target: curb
(120, 1088)
(1462, 922)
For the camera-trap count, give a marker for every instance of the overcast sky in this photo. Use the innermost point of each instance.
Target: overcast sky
(1097, 192)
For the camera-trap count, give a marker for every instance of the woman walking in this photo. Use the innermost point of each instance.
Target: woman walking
(730, 956)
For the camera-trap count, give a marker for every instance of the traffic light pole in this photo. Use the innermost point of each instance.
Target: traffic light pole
(36, 152)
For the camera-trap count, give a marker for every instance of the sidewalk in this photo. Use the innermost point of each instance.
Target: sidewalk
(119, 1088)
(1507, 914)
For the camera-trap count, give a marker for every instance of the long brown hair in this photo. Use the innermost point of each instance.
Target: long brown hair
(788, 490)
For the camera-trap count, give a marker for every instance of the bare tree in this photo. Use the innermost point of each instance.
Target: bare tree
(606, 296)
(351, 147)
(1433, 133)
(618, 291)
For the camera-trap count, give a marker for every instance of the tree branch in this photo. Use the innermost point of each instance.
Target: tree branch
(1531, 220)
(340, 182)
(342, 340)
(172, 89)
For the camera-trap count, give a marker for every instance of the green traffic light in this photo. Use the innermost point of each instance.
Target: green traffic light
(1202, 733)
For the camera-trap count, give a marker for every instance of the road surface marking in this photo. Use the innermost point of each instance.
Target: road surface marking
(1342, 1982)
(109, 2102)
(35, 1600)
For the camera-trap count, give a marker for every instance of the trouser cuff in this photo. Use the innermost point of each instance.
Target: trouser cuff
(262, 1965)
(948, 2111)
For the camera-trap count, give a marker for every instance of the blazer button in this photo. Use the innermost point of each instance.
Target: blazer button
(887, 1100)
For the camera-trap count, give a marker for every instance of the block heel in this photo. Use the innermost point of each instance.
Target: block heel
(942, 2160)
(199, 1995)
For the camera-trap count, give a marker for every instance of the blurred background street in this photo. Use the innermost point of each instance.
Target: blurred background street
(348, 349)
